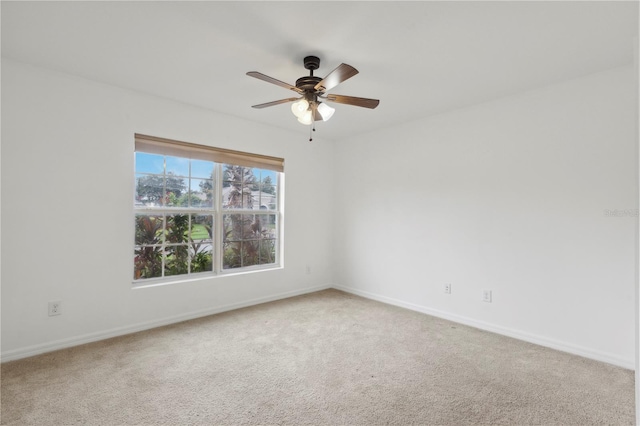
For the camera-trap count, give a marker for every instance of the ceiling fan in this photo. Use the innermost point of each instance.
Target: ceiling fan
(308, 107)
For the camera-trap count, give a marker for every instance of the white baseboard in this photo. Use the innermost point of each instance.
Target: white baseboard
(120, 331)
(516, 334)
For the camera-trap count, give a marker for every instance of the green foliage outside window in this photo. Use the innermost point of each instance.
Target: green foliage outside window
(249, 239)
(184, 240)
(148, 254)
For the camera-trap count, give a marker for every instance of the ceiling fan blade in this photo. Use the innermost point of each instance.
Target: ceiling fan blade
(272, 80)
(352, 100)
(335, 77)
(281, 101)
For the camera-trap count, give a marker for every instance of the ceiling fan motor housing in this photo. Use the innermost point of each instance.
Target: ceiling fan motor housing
(307, 82)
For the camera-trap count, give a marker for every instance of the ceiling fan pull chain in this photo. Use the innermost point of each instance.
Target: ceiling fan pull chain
(310, 137)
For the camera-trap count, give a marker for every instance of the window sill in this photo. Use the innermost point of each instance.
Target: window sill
(157, 282)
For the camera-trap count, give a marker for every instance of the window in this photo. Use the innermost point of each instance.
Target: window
(202, 210)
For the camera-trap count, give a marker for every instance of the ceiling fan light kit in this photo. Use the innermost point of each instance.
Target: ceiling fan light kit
(308, 108)
(325, 111)
(298, 108)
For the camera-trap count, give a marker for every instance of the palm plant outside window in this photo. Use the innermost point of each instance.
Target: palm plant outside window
(196, 216)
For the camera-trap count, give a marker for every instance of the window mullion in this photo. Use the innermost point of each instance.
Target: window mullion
(217, 220)
(279, 217)
(189, 224)
(164, 243)
(163, 201)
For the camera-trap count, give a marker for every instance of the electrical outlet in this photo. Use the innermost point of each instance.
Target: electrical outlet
(486, 296)
(55, 308)
(447, 288)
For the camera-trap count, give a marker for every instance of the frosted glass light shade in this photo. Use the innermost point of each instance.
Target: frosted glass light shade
(298, 108)
(306, 118)
(325, 111)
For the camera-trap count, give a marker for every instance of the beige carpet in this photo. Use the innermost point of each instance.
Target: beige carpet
(327, 358)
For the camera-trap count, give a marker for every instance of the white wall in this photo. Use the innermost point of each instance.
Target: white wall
(508, 196)
(67, 214)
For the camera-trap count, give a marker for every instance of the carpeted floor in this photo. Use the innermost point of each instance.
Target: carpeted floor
(327, 358)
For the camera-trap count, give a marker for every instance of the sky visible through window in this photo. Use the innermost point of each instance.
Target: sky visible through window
(153, 163)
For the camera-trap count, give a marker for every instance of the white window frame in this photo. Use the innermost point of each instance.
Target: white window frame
(221, 157)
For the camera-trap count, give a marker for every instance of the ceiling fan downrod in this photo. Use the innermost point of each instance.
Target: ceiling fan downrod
(308, 83)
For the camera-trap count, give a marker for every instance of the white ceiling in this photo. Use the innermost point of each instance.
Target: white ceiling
(418, 58)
